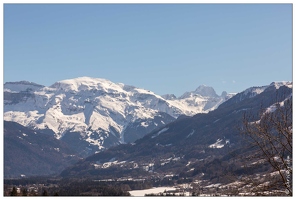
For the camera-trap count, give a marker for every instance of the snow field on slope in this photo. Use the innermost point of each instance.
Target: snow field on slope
(190, 134)
(219, 144)
(159, 132)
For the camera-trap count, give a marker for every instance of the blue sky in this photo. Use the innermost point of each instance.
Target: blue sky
(165, 48)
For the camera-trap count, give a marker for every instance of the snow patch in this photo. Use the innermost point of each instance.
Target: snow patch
(218, 144)
(190, 134)
(159, 132)
(192, 169)
(213, 185)
(144, 124)
(216, 120)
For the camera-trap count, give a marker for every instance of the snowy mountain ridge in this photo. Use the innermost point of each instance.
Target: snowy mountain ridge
(98, 109)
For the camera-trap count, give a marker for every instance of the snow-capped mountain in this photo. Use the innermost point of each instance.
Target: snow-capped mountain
(201, 100)
(93, 113)
(256, 90)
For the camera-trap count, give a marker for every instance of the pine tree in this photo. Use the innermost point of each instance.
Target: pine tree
(13, 192)
(44, 193)
(25, 192)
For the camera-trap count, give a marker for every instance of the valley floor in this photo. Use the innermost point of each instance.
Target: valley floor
(131, 187)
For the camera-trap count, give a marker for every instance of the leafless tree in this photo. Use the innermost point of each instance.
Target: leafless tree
(271, 134)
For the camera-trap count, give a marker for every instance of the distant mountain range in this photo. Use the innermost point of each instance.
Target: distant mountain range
(119, 126)
(91, 114)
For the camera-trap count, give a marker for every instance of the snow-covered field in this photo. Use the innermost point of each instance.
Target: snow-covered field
(156, 190)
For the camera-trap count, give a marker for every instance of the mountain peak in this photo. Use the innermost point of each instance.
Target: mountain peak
(19, 86)
(207, 91)
(169, 96)
(278, 84)
(202, 90)
(85, 83)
